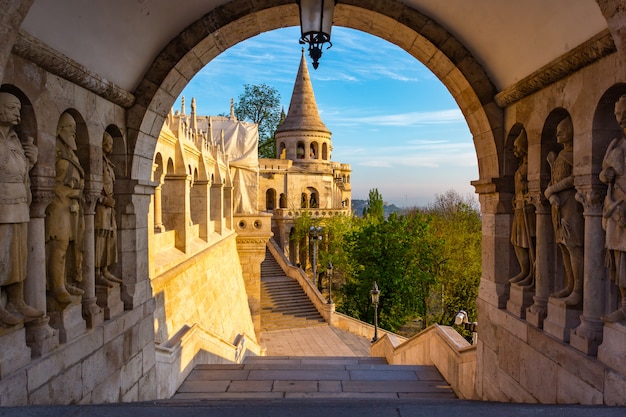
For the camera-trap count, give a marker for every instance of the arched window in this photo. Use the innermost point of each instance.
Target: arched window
(270, 199)
(283, 201)
(325, 151)
(313, 151)
(300, 150)
(304, 201)
(282, 151)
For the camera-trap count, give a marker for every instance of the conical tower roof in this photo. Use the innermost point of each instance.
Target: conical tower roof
(303, 114)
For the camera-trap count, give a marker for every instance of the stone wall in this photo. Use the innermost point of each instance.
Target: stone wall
(534, 347)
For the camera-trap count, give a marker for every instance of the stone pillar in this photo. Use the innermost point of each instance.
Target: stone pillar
(40, 337)
(200, 203)
(544, 261)
(588, 336)
(133, 203)
(217, 207)
(158, 208)
(176, 211)
(92, 313)
(498, 256)
(253, 232)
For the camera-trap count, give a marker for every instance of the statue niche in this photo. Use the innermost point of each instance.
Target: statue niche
(567, 215)
(614, 212)
(104, 222)
(16, 160)
(523, 227)
(65, 223)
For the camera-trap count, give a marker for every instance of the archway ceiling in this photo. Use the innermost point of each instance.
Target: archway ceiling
(119, 39)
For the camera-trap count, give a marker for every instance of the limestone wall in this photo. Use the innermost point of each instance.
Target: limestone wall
(534, 346)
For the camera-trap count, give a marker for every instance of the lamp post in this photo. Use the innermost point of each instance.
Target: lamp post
(375, 299)
(329, 274)
(462, 318)
(316, 21)
(316, 235)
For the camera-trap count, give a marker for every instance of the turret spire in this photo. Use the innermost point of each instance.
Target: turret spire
(303, 113)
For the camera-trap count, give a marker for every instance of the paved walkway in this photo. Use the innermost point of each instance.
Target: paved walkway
(321, 340)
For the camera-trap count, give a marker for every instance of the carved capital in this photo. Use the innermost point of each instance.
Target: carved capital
(539, 200)
(42, 190)
(91, 198)
(592, 200)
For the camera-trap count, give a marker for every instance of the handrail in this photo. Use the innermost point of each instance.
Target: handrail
(441, 346)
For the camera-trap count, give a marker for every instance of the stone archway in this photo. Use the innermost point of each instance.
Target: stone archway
(395, 22)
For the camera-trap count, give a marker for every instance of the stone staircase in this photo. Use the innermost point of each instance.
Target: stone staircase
(284, 304)
(314, 377)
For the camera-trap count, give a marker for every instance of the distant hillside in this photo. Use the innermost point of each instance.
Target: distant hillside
(358, 205)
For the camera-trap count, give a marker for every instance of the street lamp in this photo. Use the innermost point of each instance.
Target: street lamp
(316, 235)
(375, 299)
(462, 319)
(316, 21)
(329, 274)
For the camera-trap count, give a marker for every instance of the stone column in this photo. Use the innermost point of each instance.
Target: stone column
(200, 201)
(40, 337)
(253, 232)
(544, 260)
(217, 207)
(133, 203)
(158, 210)
(176, 212)
(588, 336)
(92, 313)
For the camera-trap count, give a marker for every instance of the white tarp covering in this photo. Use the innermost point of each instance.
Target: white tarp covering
(241, 141)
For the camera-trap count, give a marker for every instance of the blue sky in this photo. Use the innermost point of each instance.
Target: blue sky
(391, 118)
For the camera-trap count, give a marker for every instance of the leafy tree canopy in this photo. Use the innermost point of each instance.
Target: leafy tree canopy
(374, 209)
(261, 104)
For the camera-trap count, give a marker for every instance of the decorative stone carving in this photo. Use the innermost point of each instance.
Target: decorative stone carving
(523, 228)
(16, 160)
(587, 53)
(65, 225)
(614, 214)
(104, 222)
(567, 215)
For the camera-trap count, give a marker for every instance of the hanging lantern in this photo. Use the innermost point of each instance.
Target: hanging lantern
(316, 21)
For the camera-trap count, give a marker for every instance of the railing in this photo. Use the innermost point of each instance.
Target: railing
(194, 345)
(441, 346)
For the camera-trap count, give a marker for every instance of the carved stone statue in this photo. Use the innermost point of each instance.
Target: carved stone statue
(16, 160)
(65, 223)
(567, 214)
(104, 221)
(614, 213)
(523, 228)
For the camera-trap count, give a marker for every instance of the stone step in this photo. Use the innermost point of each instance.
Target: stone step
(284, 304)
(314, 377)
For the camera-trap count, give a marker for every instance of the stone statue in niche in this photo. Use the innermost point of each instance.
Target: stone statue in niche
(567, 214)
(104, 222)
(65, 223)
(614, 212)
(523, 228)
(16, 160)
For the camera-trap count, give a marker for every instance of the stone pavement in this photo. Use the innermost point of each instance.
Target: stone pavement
(314, 341)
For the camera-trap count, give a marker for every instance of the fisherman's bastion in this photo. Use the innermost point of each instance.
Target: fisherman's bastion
(132, 233)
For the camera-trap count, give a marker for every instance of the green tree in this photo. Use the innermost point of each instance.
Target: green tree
(375, 207)
(261, 104)
(457, 222)
(401, 255)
